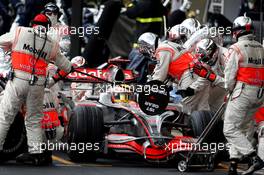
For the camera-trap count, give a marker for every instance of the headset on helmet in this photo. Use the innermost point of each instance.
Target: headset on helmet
(242, 25)
(206, 51)
(42, 20)
(51, 7)
(147, 43)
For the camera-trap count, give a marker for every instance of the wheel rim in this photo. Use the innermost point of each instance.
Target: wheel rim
(182, 166)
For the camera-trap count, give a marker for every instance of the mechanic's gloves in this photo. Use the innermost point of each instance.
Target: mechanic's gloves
(185, 92)
(50, 133)
(61, 74)
(202, 71)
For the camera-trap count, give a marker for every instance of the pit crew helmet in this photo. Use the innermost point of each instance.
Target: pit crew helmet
(147, 43)
(192, 25)
(207, 51)
(242, 25)
(52, 8)
(42, 20)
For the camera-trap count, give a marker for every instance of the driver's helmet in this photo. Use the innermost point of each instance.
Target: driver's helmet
(207, 51)
(122, 94)
(242, 25)
(192, 25)
(147, 43)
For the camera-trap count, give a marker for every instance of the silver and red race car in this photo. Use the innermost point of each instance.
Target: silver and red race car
(106, 121)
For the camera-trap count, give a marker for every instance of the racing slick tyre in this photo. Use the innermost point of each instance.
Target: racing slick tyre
(16, 140)
(200, 119)
(86, 127)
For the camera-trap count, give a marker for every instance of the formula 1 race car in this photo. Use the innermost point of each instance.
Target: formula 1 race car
(112, 122)
(106, 121)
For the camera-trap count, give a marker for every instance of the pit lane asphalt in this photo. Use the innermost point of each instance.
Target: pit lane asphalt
(63, 166)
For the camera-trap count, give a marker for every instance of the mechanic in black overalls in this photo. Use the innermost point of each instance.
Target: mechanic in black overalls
(148, 15)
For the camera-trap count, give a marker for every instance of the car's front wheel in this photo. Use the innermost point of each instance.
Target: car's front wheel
(85, 133)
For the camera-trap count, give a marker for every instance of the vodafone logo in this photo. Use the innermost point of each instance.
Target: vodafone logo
(96, 72)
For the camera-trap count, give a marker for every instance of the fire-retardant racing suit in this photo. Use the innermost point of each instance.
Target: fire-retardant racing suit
(174, 61)
(244, 78)
(259, 117)
(217, 91)
(26, 55)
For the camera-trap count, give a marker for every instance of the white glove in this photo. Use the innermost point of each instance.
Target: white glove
(78, 61)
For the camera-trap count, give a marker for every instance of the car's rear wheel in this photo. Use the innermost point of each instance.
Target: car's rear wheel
(16, 140)
(86, 129)
(199, 121)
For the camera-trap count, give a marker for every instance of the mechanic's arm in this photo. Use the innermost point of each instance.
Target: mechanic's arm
(232, 65)
(65, 67)
(162, 67)
(219, 81)
(196, 37)
(62, 62)
(7, 40)
(200, 84)
(194, 88)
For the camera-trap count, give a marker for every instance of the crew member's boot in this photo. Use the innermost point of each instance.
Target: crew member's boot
(3, 158)
(42, 159)
(233, 167)
(257, 164)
